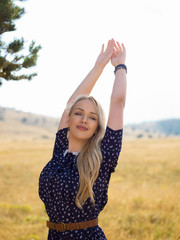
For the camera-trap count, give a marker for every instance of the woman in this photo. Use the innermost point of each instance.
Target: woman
(74, 184)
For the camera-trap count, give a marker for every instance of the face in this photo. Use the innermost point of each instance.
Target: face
(83, 120)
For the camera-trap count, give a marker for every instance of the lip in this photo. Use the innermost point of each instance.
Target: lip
(82, 128)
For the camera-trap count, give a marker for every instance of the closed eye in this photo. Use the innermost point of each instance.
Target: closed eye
(78, 113)
(93, 118)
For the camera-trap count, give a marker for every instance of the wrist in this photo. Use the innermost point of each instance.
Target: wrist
(117, 63)
(120, 66)
(99, 67)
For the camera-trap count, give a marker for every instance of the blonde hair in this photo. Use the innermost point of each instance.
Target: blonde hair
(90, 157)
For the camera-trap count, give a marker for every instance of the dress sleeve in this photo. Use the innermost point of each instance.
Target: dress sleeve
(111, 147)
(61, 141)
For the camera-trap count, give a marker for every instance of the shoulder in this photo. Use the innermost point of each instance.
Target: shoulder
(61, 141)
(61, 135)
(112, 140)
(111, 134)
(110, 147)
(62, 131)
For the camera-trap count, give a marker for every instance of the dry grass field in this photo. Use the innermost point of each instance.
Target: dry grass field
(144, 193)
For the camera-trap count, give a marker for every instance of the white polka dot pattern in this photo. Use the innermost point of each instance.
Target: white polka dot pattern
(58, 185)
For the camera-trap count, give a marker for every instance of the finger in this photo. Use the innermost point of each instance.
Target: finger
(121, 49)
(116, 47)
(109, 50)
(110, 44)
(102, 49)
(124, 49)
(114, 53)
(119, 45)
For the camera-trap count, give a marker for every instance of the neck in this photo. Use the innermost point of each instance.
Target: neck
(75, 146)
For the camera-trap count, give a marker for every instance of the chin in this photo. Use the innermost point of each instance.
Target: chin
(83, 136)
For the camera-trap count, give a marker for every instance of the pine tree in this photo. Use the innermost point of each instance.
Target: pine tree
(12, 59)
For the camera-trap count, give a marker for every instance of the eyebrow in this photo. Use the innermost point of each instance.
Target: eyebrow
(90, 112)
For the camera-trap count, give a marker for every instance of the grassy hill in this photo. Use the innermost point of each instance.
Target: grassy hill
(144, 191)
(162, 128)
(22, 125)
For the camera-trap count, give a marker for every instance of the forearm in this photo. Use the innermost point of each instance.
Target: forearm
(88, 83)
(118, 95)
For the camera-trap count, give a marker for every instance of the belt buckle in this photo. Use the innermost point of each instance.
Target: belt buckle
(53, 226)
(64, 227)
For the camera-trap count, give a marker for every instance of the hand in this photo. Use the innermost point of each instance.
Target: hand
(119, 54)
(106, 55)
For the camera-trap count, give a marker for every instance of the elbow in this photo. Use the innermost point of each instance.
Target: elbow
(119, 101)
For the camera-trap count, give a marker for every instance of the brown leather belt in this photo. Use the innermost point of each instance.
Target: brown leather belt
(62, 227)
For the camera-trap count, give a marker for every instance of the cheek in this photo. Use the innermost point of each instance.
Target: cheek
(73, 119)
(95, 126)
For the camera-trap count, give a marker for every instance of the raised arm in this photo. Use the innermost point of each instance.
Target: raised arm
(118, 96)
(88, 83)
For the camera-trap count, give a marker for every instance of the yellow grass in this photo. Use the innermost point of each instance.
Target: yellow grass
(144, 194)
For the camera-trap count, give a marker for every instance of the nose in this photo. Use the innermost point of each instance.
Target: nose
(84, 119)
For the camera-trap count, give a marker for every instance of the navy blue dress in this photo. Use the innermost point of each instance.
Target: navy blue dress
(58, 185)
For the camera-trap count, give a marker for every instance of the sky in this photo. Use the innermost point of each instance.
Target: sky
(71, 34)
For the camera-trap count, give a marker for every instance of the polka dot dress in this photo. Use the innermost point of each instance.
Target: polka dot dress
(58, 186)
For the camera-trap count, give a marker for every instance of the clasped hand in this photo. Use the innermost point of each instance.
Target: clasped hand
(114, 51)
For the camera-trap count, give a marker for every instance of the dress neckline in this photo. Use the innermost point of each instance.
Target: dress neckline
(67, 151)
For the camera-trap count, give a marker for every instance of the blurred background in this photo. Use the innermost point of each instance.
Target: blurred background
(71, 34)
(144, 191)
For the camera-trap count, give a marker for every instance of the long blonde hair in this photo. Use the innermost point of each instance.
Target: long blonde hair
(90, 157)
